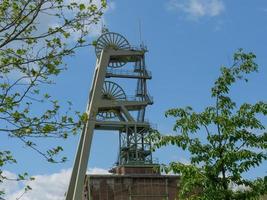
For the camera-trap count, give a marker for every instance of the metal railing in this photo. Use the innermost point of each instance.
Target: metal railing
(147, 98)
(145, 73)
(139, 48)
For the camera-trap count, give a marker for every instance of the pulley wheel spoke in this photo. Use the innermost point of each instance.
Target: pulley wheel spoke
(111, 91)
(114, 41)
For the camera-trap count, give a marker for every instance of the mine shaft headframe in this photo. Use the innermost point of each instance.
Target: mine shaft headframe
(114, 41)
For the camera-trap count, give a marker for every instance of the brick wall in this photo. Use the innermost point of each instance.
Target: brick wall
(131, 186)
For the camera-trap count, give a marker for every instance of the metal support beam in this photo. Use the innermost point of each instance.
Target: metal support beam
(76, 186)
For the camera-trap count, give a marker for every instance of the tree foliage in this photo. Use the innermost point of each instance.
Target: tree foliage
(235, 140)
(35, 37)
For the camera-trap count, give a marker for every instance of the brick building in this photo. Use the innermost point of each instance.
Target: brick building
(131, 183)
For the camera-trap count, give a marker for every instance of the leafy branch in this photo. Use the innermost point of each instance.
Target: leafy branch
(235, 140)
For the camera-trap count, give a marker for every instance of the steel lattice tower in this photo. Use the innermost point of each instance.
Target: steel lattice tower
(110, 108)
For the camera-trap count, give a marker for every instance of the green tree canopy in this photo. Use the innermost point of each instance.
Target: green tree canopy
(235, 140)
(35, 37)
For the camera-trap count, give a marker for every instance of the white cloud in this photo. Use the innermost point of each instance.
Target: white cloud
(46, 21)
(44, 187)
(95, 29)
(241, 188)
(9, 186)
(195, 9)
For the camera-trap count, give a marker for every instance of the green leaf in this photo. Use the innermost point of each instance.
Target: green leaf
(82, 7)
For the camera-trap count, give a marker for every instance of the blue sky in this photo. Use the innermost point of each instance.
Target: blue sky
(188, 41)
